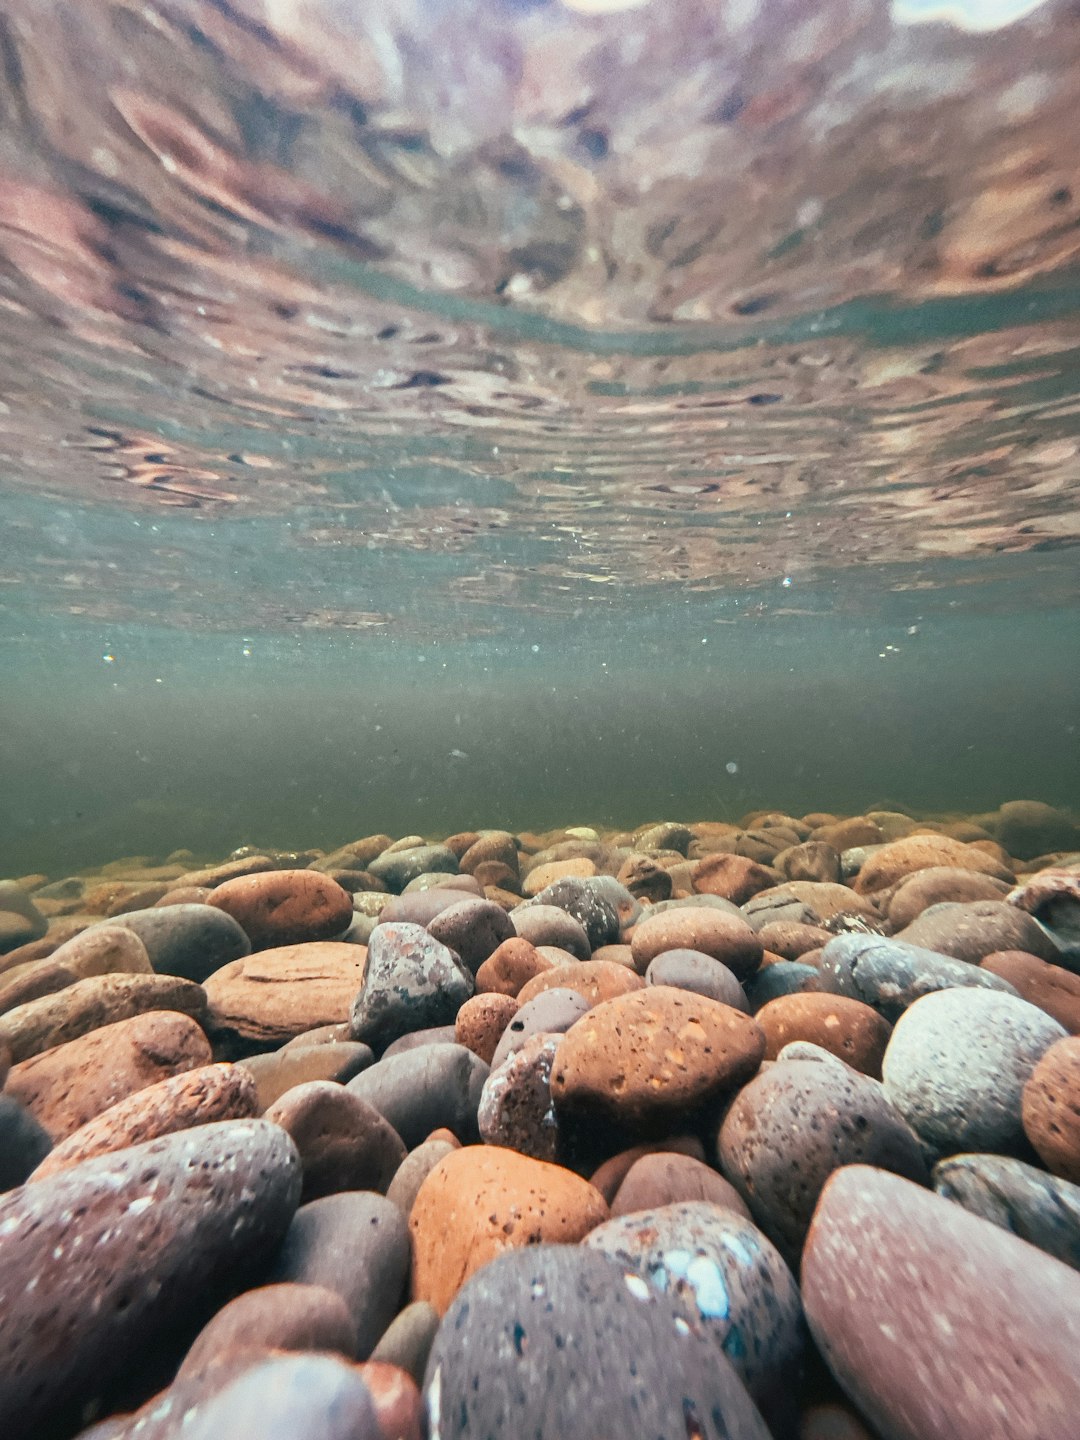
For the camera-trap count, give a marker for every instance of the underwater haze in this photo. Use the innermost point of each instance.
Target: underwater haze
(421, 414)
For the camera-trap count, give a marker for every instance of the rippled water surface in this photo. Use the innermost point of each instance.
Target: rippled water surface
(420, 413)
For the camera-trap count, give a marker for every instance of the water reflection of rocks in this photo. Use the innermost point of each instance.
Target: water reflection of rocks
(558, 303)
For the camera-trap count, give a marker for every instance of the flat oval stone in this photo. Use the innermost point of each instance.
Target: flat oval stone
(270, 997)
(69, 1085)
(783, 977)
(981, 1338)
(422, 1090)
(275, 1317)
(890, 863)
(288, 1396)
(188, 940)
(693, 970)
(653, 1055)
(285, 907)
(180, 1102)
(163, 1227)
(482, 1200)
(792, 1126)
(957, 1064)
(356, 1244)
(98, 950)
(90, 1004)
(1040, 1208)
(510, 967)
(473, 930)
(1051, 1108)
(344, 1143)
(847, 1028)
(411, 982)
(734, 1285)
(419, 907)
(724, 937)
(559, 1343)
(397, 867)
(889, 975)
(929, 887)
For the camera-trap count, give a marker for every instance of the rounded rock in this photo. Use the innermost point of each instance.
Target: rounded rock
(275, 1317)
(419, 1091)
(700, 973)
(1051, 1108)
(187, 940)
(847, 1028)
(411, 982)
(270, 997)
(344, 1143)
(728, 939)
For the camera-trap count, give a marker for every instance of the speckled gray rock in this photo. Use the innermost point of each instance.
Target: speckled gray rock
(1042, 1209)
(163, 1228)
(890, 975)
(979, 1339)
(356, 1244)
(552, 1012)
(411, 982)
(516, 1108)
(596, 914)
(557, 1342)
(24, 1142)
(472, 929)
(793, 1125)
(423, 1090)
(397, 867)
(628, 908)
(692, 970)
(783, 977)
(957, 1064)
(549, 925)
(286, 1396)
(188, 940)
(734, 1284)
(971, 930)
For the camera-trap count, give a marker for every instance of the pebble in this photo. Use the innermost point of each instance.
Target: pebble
(357, 1245)
(847, 1028)
(408, 1339)
(411, 982)
(972, 930)
(783, 977)
(286, 1396)
(285, 907)
(180, 1102)
(918, 892)
(473, 930)
(732, 1283)
(397, 867)
(187, 940)
(812, 860)
(419, 1091)
(1053, 898)
(543, 924)
(889, 975)
(559, 1343)
(957, 1064)
(481, 1021)
(668, 1178)
(894, 861)
(814, 902)
(552, 1012)
(417, 1039)
(277, 1071)
(24, 1142)
(414, 1170)
(1051, 988)
(726, 938)
(509, 968)
(275, 1317)
(162, 1228)
(700, 973)
(645, 879)
(491, 846)
(594, 980)
(1042, 1209)
(69, 1085)
(654, 1055)
(1051, 1108)
(271, 996)
(733, 877)
(344, 1143)
(582, 901)
(99, 950)
(480, 1201)
(88, 1005)
(979, 1340)
(516, 1109)
(608, 1176)
(791, 940)
(792, 1126)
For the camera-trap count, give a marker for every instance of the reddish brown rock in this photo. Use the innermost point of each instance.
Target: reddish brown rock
(494, 847)
(274, 1317)
(286, 907)
(596, 980)
(813, 860)
(69, 1085)
(344, 1143)
(276, 994)
(670, 1179)
(654, 1055)
(213, 875)
(725, 937)
(482, 1200)
(979, 1340)
(280, 1070)
(180, 1102)
(100, 950)
(849, 834)
(481, 1022)
(184, 895)
(544, 875)
(1051, 988)
(609, 1176)
(732, 877)
(846, 1028)
(936, 885)
(1051, 1109)
(645, 879)
(89, 1004)
(919, 852)
(510, 968)
(398, 1406)
(791, 940)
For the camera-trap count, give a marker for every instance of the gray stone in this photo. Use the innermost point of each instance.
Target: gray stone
(699, 973)
(397, 867)
(411, 982)
(191, 941)
(971, 930)
(424, 1090)
(473, 930)
(552, 1012)
(1042, 1209)
(315, 1396)
(783, 977)
(24, 1142)
(890, 975)
(597, 915)
(550, 925)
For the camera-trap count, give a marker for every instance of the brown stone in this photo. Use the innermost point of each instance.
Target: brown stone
(831, 1422)
(725, 937)
(732, 877)
(544, 875)
(281, 1070)
(939, 1325)
(89, 1004)
(60, 931)
(276, 994)
(1053, 989)
(654, 1055)
(496, 847)
(609, 1176)
(823, 898)
(481, 1022)
(919, 852)
(286, 907)
(916, 893)
(184, 895)
(812, 860)
(344, 1143)
(67, 1086)
(1051, 1109)
(180, 1102)
(482, 1200)
(512, 966)
(615, 955)
(596, 980)
(791, 940)
(398, 1406)
(668, 1179)
(288, 1316)
(645, 879)
(214, 875)
(846, 1028)
(842, 835)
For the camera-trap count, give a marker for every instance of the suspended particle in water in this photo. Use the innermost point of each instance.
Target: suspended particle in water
(536, 649)
(246, 651)
(786, 582)
(109, 658)
(731, 768)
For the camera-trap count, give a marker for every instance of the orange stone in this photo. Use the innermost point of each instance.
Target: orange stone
(846, 1028)
(596, 980)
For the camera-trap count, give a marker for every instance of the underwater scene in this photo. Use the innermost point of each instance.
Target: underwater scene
(539, 702)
